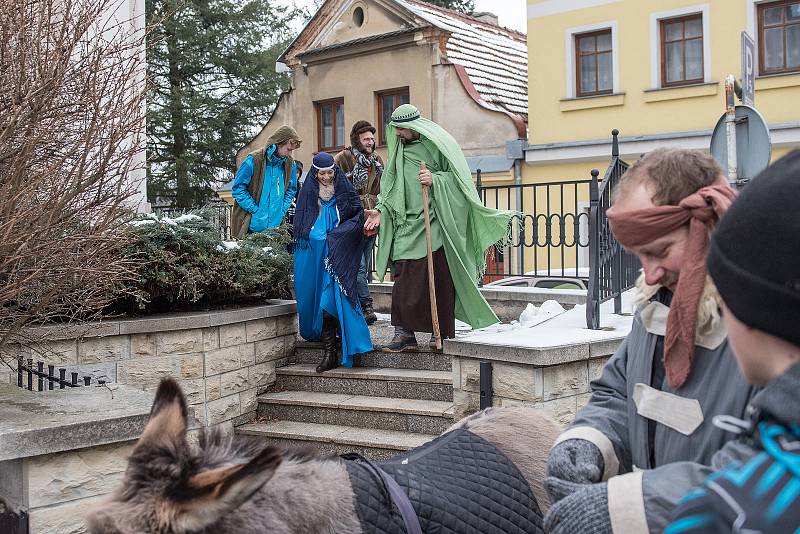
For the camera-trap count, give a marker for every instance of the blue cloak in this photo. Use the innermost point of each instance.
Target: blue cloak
(317, 290)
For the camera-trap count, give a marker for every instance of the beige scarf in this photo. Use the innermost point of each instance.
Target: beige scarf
(325, 192)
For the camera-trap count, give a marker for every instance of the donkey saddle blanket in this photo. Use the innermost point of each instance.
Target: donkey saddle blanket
(458, 483)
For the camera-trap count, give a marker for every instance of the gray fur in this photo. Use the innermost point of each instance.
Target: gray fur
(248, 488)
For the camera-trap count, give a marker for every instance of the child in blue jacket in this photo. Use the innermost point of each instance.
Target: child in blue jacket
(754, 260)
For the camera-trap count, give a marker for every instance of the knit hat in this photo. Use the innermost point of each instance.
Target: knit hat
(322, 162)
(283, 134)
(357, 129)
(754, 257)
(404, 114)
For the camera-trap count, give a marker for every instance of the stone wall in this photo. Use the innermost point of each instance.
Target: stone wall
(222, 360)
(62, 451)
(559, 389)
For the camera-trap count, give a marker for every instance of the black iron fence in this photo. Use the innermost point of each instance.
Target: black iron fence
(562, 232)
(612, 269)
(550, 234)
(218, 212)
(49, 380)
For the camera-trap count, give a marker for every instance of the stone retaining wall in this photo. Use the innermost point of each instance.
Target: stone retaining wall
(62, 451)
(560, 389)
(222, 359)
(549, 376)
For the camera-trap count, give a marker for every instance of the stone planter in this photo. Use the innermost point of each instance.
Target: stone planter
(61, 451)
(548, 366)
(222, 359)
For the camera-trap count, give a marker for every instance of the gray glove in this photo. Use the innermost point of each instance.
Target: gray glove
(576, 460)
(582, 510)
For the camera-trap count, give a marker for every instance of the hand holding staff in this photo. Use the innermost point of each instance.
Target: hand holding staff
(431, 282)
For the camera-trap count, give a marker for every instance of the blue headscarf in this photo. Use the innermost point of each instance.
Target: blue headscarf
(346, 241)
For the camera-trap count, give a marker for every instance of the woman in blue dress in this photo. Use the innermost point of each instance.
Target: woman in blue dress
(328, 235)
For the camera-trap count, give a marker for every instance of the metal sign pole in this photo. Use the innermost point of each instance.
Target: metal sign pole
(730, 128)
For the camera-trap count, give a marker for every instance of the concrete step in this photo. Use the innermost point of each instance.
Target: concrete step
(309, 352)
(335, 439)
(387, 413)
(370, 381)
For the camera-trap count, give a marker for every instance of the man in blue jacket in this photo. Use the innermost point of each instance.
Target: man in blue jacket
(265, 184)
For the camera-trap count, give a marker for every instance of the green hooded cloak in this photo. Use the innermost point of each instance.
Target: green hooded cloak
(468, 228)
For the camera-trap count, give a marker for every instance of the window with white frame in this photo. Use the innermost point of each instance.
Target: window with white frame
(682, 50)
(680, 46)
(592, 60)
(779, 37)
(594, 73)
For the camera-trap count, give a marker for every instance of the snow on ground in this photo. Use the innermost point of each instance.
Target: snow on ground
(567, 328)
(549, 325)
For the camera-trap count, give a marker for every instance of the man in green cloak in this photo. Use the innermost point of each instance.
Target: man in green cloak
(462, 229)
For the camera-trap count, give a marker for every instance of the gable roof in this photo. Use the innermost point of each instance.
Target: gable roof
(494, 58)
(491, 61)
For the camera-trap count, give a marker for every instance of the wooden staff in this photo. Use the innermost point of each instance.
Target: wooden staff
(431, 281)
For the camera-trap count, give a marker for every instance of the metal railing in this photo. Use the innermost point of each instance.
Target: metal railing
(551, 228)
(217, 212)
(612, 270)
(49, 380)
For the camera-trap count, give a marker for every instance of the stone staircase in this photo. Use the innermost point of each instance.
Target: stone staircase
(388, 404)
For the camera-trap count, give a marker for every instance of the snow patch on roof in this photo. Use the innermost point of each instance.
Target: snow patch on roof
(495, 58)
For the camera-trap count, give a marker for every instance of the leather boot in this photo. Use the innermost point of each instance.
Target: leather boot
(369, 313)
(328, 337)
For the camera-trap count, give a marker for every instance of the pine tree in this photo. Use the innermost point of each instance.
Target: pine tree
(465, 6)
(212, 68)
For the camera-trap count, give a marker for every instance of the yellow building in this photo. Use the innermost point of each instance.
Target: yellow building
(655, 70)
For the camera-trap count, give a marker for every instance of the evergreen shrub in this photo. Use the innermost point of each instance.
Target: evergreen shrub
(182, 264)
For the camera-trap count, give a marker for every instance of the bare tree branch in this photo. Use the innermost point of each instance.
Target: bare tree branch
(71, 126)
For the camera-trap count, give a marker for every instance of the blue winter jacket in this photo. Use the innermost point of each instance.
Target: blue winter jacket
(275, 196)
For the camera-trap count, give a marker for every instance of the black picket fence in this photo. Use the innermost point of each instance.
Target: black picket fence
(49, 380)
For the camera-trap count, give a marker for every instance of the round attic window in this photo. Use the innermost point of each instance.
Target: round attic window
(358, 16)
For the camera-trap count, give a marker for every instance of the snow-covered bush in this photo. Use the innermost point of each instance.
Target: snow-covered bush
(182, 264)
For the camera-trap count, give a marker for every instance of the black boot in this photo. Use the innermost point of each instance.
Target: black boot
(369, 313)
(328, 337)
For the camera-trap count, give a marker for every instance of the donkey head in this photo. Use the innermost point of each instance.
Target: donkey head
(170, 488)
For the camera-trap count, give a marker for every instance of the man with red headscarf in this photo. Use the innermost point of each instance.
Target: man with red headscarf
(646, 436)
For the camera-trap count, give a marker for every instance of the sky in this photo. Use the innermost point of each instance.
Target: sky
(511, 13)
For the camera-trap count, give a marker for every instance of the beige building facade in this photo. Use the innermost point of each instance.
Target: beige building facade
(359, 59)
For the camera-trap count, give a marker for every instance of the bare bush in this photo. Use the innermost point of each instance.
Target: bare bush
(71, 121)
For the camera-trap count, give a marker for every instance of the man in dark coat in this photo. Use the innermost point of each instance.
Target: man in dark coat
(363, 167)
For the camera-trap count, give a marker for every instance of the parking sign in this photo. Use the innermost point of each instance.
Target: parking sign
(748, 69)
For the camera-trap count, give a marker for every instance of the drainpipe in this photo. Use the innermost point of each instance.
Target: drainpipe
(515, 150)
(518, 194)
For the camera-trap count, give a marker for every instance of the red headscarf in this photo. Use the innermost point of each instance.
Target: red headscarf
(635, 228)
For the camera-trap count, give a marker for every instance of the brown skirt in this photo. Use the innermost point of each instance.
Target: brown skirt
(411, 305)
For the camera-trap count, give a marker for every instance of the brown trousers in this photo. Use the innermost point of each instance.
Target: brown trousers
(411, 305)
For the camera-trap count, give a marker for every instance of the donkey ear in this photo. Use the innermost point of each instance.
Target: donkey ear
(213, 493)
(167, 416)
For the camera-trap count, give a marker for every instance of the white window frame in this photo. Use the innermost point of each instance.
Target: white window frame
(751, 7)
(570, 34)
(655, 41)
(752, 18)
